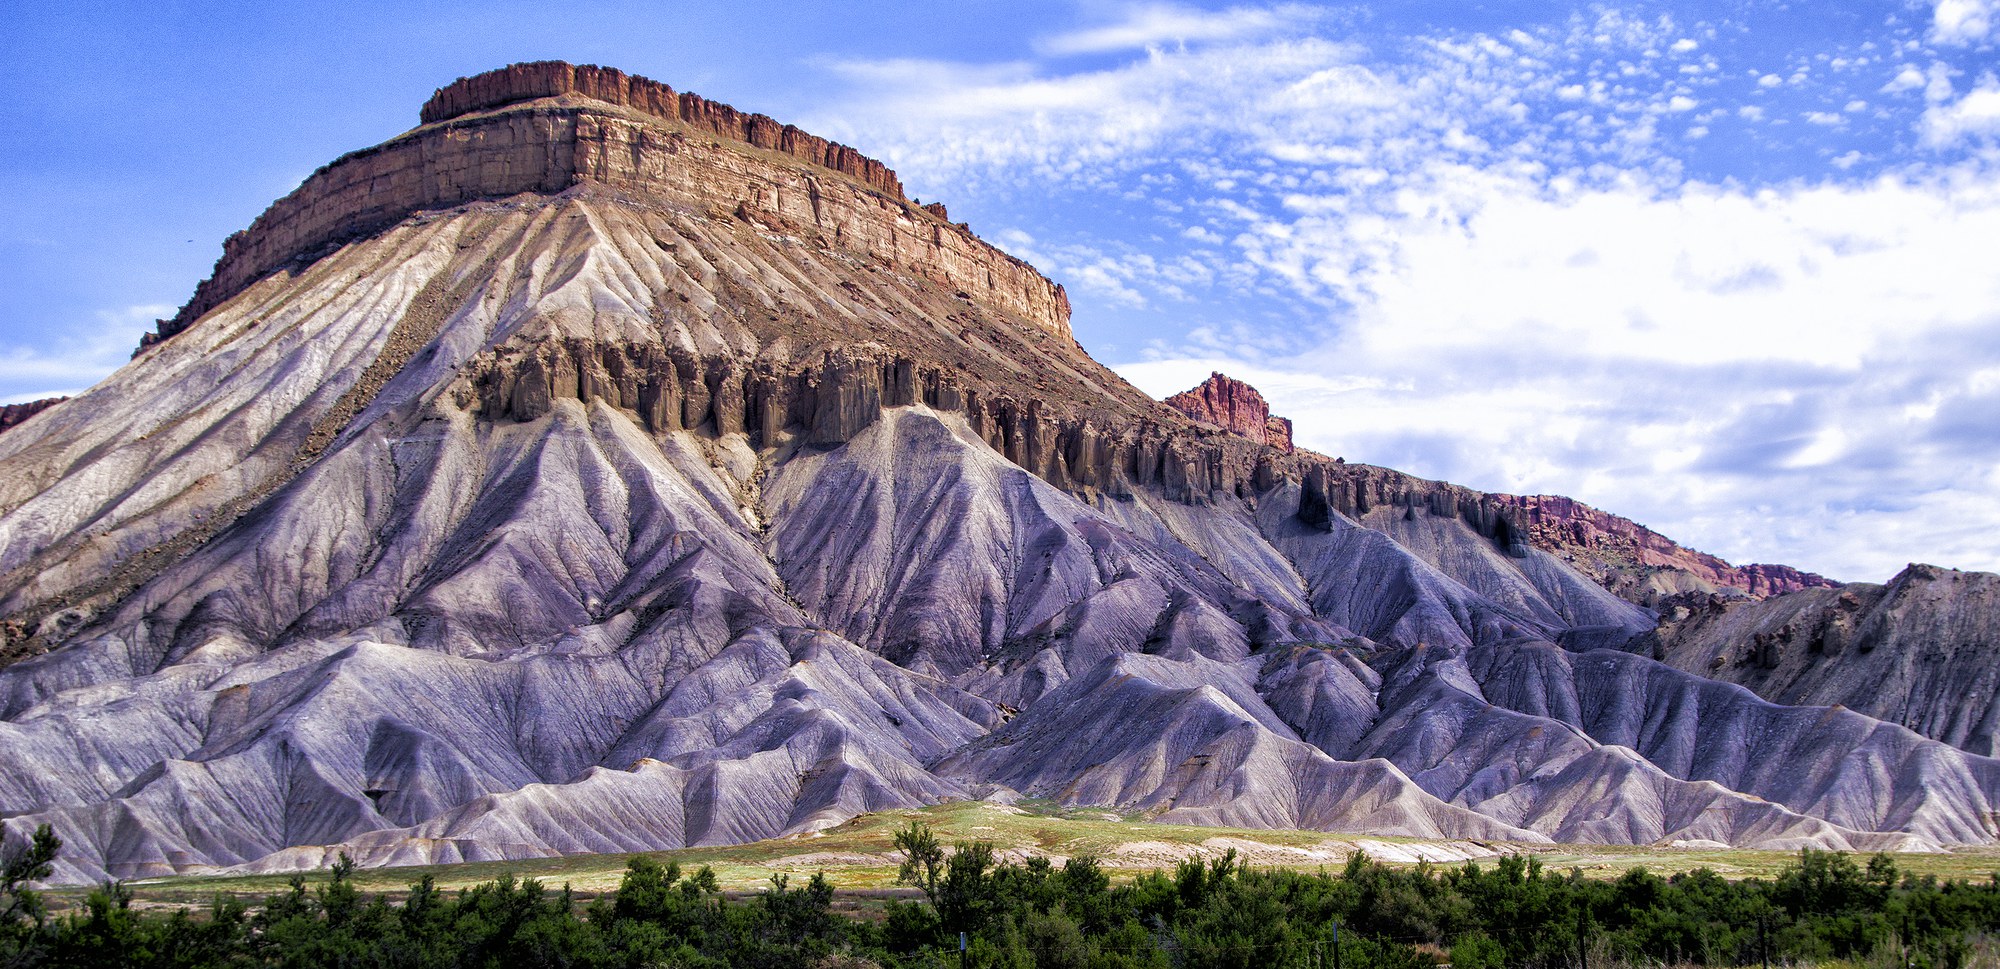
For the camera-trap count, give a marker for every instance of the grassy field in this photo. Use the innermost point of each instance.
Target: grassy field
(858, 857)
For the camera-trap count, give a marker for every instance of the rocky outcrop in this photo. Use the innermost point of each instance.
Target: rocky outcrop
(1630, 559)
(551, 79)
(1235, 407)
(542, 128)
(1920, 651)
(825, 401)
(12, 414)
(1557, 523)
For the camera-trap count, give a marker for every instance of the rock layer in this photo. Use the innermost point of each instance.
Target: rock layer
(554, 125)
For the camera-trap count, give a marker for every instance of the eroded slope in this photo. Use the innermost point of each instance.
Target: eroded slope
(702, 502)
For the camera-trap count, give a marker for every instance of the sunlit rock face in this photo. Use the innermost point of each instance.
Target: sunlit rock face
(1234, 406)
(570, 474)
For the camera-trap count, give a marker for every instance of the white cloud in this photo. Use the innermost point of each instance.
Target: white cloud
(76, 360)
(1482, 263)
(1148, 25)
(1938, 87)
(1963, 22)
(1977, 114)
(1907, 79)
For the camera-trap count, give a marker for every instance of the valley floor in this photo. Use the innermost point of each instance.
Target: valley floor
(860, 857)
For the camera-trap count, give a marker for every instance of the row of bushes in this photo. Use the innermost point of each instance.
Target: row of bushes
(979, 912)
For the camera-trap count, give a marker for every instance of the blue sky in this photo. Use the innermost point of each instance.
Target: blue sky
(1728, 268)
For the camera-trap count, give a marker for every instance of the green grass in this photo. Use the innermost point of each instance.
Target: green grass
(1032, 826)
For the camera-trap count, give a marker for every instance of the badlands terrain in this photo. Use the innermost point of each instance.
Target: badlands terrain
(595, 468)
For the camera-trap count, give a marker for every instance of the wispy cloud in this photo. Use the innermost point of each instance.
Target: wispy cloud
(1155, 24)
(76, 360)
(1502, 257)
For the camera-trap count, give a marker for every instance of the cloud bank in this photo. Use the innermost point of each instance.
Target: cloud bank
(1737, 292)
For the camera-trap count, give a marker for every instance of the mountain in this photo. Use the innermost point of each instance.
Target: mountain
(1919, 651)
(595, 467)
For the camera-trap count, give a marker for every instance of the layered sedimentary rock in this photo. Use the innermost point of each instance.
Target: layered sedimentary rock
(651, 508)
(554, 79)
(1236, 407)
(541, 128)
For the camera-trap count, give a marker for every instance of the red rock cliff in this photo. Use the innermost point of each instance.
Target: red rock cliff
(1556, 523)
(1234, 406)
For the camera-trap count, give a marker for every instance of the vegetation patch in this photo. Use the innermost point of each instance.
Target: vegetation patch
(973, 905)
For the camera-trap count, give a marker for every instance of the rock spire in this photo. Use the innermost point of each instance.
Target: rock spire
(1236, 407)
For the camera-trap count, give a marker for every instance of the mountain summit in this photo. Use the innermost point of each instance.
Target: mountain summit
(596, 468)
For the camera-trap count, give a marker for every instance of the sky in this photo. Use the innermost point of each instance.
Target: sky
(1729, 269)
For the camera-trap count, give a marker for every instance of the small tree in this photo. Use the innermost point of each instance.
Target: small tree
(923, 859)
(30, 863)
(965, 898)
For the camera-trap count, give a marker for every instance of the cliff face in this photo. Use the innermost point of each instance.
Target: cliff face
(542, 128)
(552, 79)
(1235, 407)
(828, 400)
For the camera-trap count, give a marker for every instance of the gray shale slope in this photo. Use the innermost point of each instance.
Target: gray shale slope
(594, 468)
(1922, 651)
